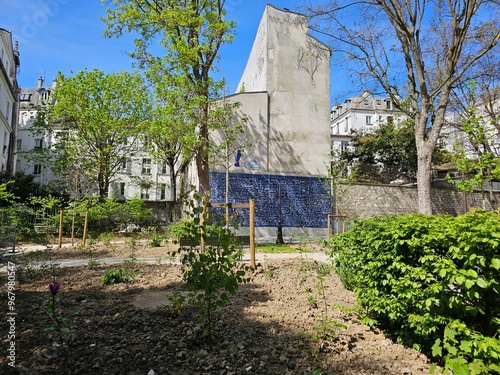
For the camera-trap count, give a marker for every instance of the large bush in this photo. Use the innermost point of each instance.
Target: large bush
(432, 281)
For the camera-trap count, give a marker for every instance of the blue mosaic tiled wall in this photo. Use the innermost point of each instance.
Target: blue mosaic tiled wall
(305, 201)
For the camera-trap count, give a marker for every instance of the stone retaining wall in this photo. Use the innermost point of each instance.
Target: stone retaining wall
(366, 200)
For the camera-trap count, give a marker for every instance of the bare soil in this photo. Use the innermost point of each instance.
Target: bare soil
(270, 327)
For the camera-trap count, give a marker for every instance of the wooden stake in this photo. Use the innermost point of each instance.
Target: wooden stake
(61, 216)
(85, 227)
(252, 233)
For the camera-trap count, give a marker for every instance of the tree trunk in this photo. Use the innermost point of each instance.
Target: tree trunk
(202, 162)
(171, 205)
(424, 178)
(102, 187)
(203, 176)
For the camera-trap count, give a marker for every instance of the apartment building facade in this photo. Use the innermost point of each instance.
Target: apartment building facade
(9, 90)
(137, 176)
(363, 113)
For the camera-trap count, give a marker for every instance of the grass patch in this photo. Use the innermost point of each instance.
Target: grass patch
(277, 249)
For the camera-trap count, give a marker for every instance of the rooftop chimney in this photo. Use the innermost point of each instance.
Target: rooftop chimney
(40, 82)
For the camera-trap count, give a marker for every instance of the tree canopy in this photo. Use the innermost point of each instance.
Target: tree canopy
(385, 154)
(177, 46)
(416, 51)
(96, 117)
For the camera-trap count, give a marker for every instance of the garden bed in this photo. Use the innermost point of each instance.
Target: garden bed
(268, 328)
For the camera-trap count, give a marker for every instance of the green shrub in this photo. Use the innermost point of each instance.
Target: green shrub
(211, 275)
(115, 276)
(186, 228)
(176, 306)
(415, 275)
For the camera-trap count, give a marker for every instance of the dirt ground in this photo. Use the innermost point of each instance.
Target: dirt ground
(270, 327)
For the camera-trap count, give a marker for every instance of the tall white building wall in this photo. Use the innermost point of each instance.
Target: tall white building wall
(9, 62)
(284, 95)
(293, 68)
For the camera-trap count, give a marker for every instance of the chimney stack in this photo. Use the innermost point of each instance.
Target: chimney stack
(40, 82)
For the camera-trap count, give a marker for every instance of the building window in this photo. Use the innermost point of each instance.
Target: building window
(38, 143)
(366, 102)
(146, 166)
(45, 95)
(123, 165)
(379, 102)
(37, 170)
(122, 189)
(19, 143)
(343, 146)
(388, 104)
(368, 120)
(25, 97)
(164, 168)
(346, 129)
(163, 191)
(390, 119)
(4, 142)
(145, 194)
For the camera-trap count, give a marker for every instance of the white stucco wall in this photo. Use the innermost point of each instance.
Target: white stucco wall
(294, 69)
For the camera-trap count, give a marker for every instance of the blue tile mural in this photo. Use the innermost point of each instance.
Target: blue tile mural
(305, 201)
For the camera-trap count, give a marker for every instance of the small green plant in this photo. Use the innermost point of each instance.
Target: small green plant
(176, 306)
(171, 258)
(53, 310)
(268, 268)
(312, 301)
(35, 264)
(92, 263)
(327, 328)
(132, 259)
(115, 276)
(106, 239)
(320, 372)
(156, 240)
(211, 275)
(52, 307)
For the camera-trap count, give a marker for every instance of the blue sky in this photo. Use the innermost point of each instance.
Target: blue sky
(66, 35)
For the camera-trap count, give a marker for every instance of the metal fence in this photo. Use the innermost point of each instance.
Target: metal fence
(8, 238)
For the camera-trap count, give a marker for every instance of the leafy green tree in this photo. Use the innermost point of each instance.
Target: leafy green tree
(483, 166)
(95, 118)
(415, 50)
(166, 135)
(5, 196)
(20, 185)
(189, 34)
(385, 154)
